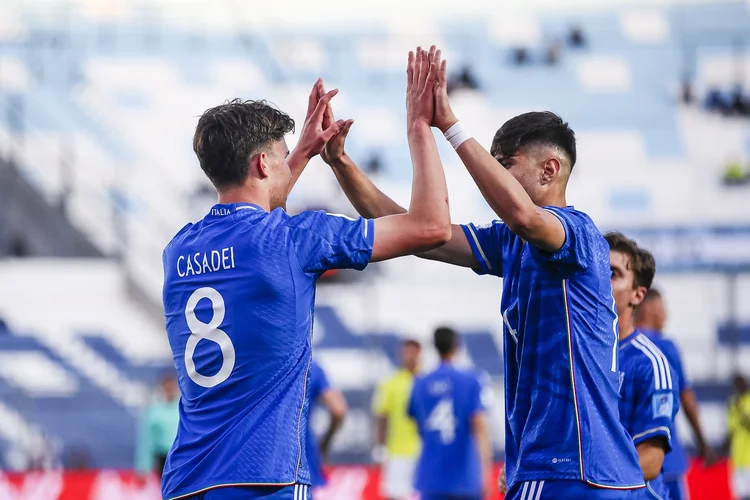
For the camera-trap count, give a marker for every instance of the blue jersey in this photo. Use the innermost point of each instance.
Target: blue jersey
(676, 462)
(318, 385)
(443, 404)
(650, 398)
(560, 350)
(239, 290)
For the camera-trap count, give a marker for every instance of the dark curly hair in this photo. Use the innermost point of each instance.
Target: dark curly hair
(227, 135)
(535, 128)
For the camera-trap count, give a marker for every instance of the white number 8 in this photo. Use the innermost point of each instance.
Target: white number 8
(208, 331)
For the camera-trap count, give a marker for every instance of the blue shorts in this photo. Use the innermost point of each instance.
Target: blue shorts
(678, 490)
(570, 490)
(293, 492)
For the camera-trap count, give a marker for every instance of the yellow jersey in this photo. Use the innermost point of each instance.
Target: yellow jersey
(739, 428)
(391, 401)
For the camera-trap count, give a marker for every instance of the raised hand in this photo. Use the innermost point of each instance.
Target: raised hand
(334, 148)
(421, 74)
(443, 117)
(317, 131)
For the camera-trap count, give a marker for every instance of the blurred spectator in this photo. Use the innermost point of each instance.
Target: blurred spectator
(735, 175)
(158, 427)
(374, 164)
(739, 103)
(397, 442)
(715, 101)
(18, 246)
(739, 436)
(463, 80)
(687, 92)
(520, 56)
(576, 38)
(552, 54)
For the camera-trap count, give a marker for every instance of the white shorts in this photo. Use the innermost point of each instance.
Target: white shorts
(397, 482)
(741, 481)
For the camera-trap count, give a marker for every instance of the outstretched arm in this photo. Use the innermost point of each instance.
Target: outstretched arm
(371, 202)
(503, 192)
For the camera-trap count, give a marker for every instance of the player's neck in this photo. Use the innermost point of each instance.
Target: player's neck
(551, 200)
(626, 326)
(245, 194)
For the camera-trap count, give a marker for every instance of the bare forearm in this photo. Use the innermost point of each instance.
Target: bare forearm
(381, 426)
(503, 192)
(429, 192)
(692, 412)
(484, 442)
(333, 428)
(369, 201)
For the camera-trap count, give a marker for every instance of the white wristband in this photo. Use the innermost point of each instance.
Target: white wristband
(457, 135)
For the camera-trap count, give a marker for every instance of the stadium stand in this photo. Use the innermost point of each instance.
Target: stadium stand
(97, 106)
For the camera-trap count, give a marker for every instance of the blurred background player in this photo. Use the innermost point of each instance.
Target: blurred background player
(456, 458)
(397, 440)
(556, 304)
(739, 436)
(321, 393)
(157, 427)
(650, 397)
(650, 318)
(243, 280)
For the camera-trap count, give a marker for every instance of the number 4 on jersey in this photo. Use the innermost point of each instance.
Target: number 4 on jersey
(442, 420)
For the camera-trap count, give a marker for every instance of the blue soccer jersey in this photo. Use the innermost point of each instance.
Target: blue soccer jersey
(318, 385)
(443, 404)
(560, 350)
(239, 290)
(676, 462)
(649, 396)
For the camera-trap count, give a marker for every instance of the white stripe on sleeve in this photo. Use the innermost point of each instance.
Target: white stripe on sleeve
(479, 247)
(525, 490)
(657, 375)
(660, 354)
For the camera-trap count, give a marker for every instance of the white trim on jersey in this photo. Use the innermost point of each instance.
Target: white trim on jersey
(532, 490)
(300, 492)
(246, 207)
(479, 247)
(647, 341)
(658, 362)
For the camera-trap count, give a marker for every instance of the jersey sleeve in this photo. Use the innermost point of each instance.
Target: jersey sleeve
(411, 407)
(318, 381)
(476, 398)
(579, 248)
(672, 353)
(654, 404)
(326, 241)
(487, 245)
(380, 400)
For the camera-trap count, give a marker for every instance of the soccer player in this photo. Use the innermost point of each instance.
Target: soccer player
(456, 452)
(321, 392)
(157, 428)
(563, 435)
(738, 416)
(396, 439)
(650, 318)
(650, 396)
(239, 290)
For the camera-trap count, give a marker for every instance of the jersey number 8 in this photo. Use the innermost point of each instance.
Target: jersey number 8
(208, 331)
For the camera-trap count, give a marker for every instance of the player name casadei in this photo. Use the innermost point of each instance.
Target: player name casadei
(205, 262)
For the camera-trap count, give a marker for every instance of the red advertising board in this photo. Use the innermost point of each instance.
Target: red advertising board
(345, 483)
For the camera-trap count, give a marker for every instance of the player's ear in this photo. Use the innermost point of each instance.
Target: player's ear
(639, 295)
(259, 163)
(550, 170)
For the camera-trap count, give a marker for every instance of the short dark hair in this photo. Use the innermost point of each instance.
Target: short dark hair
(227, 135)
(446, 340)
(534, 128)
(642, 263)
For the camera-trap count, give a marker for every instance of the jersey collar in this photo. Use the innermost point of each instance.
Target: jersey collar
(627, 340)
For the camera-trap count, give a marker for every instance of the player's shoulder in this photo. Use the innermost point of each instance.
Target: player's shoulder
(309, 219)
(178, 238)
(648, 360)
(570, 215)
